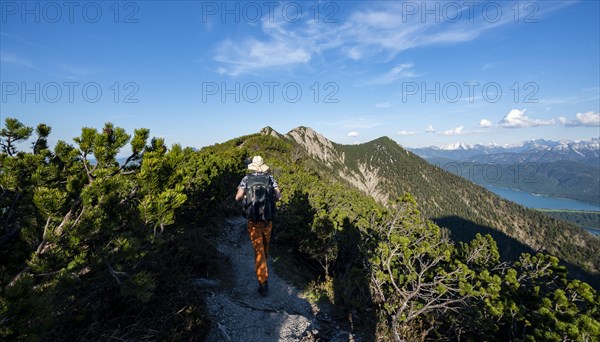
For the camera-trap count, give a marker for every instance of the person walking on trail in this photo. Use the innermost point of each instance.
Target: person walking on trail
(259, 191)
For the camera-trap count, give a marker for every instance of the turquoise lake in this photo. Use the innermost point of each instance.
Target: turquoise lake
(541, 202)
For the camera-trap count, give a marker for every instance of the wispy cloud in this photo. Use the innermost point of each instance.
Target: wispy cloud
(383, 105)
(368, 32)
(14, 59)
(401, 71)
(516, 118)
(404, 133)
(587, 94)
(281, 46)
(487, 66)
(354, 134)
(76, 71)
(430, 129)
(20, 40)
(259, 55)
(388, 27)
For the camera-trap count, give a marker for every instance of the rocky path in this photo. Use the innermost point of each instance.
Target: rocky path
(241, 314)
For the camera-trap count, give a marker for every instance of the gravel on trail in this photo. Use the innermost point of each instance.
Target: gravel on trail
(240, 313)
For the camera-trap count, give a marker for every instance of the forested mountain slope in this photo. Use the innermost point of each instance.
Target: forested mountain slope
(562, 179)
(384, 170)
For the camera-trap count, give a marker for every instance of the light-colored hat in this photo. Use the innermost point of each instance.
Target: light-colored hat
(258, 164)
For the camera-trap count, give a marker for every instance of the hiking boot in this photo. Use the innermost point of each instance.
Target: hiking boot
(263, 289)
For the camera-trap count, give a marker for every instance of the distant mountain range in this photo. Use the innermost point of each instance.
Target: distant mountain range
(566, 169)
(539, 150)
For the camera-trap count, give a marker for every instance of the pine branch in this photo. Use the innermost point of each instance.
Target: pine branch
(87, 169)
(67, 217)
(18, 276)
(115, 274)
(127, 161)
(40, 248)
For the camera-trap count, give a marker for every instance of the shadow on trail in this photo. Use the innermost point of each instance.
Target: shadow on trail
(351, 284)
(330, 266)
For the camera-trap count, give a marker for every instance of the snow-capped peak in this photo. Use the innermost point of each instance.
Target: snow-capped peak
(456, 146)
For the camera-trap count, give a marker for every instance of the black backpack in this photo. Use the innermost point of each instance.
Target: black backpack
(259, 202)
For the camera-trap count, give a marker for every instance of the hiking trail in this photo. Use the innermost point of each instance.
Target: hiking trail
(239, 313)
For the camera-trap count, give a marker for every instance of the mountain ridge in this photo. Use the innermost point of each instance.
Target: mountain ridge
(385, 170)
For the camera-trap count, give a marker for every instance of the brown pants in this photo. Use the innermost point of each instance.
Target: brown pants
(260, 235)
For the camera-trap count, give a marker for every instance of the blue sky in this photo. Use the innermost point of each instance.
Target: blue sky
(202, 72)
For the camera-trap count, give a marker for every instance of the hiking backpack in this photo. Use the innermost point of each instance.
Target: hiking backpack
(259, 202)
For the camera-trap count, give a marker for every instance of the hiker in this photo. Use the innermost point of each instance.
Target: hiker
(259, 191)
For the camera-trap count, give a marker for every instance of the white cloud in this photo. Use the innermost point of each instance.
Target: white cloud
(455, 131)
(403, 132)
(383, 105)
(485, 123)
(564, 121)
(516, 118)
(400, 71)
(590, 119)
(353, 134)
(430, 129)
